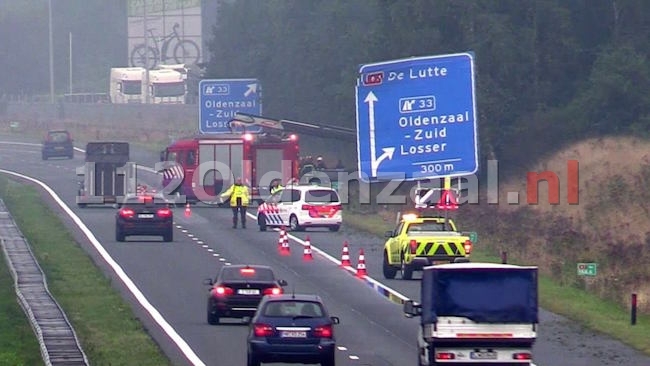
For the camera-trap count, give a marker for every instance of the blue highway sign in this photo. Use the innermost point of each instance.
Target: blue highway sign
(416, 118)
(220, 100)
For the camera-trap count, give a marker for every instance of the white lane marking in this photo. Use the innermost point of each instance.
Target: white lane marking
(222, 259)
(373, 281)
(199, 242)
(190, 235)
(204, 246)
(78, 221)
(341, 348)
(135, 291)
(210, 250)
(195, 239)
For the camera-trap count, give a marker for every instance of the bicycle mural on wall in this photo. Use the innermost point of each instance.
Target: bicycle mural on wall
(184, 51)
(173, 31)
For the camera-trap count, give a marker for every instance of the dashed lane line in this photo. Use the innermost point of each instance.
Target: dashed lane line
(226, 263)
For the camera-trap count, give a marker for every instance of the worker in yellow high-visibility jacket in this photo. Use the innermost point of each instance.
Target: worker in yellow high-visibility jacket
(276, 186)
(239, 199)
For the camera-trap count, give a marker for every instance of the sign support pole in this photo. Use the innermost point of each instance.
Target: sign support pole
(447, 187)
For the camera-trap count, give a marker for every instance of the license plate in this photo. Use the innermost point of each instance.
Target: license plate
(293, 334)
(248, 292)
(483, 355)
(145, 216)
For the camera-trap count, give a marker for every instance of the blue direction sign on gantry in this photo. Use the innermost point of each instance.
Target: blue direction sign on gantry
(220, 100)
(416, 118)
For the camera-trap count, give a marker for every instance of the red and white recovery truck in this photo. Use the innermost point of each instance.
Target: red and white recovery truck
(476, 314)
(202, 167)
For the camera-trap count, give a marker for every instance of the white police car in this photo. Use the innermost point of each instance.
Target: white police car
(301, 206)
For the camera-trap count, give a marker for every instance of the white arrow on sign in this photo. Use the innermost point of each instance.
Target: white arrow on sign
(388, 151)
(252, 88)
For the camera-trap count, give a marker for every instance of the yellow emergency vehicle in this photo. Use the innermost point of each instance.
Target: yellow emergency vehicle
(420, 240)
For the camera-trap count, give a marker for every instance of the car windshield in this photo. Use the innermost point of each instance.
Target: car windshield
(321, 196)
(293, 308)
(246, 274)
(59, 136)
(417, 227)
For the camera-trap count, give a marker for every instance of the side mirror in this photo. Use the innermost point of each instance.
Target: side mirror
(208, 282)
(412, 309)
(282, 283)
(335, 320)
(388, 234)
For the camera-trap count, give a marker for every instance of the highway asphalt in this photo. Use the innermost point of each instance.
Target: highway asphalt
(373, 330)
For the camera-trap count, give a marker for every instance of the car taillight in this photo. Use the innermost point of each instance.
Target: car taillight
(127, 213)
(522, 356)
(313, 212)
(273, 291)
(164, 213)
(262, 330)
(324, 331)
(445, 356)
(223, 291)
(414, 246)
(468, 247)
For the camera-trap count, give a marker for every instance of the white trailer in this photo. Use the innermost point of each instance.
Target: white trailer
(126, 85)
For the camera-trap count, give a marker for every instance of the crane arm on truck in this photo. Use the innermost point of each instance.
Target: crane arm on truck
(277, 126)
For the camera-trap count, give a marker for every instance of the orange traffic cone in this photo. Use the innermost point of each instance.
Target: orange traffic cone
(361, 266)
(188, 211)
(345, 257)
(306, 253)
(281, 239)
(286, 249)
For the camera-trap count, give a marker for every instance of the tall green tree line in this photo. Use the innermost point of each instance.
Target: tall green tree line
(548, 71)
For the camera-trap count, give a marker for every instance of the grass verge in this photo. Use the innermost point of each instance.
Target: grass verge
(578, 305)
(18, 345)
(108, 330)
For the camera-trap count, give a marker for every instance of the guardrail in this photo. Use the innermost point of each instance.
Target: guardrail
(57, 339)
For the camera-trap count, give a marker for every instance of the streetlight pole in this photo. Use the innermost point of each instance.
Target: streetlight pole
(146, 50)
(70, 62)
(51, 54)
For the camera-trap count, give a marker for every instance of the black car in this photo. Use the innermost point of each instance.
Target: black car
(57, 143)
(238, 289)
(293, 329)
(144, 215)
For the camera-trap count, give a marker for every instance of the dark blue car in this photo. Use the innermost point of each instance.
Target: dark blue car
(292, 328)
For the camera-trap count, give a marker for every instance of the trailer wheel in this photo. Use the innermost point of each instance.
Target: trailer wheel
(81, 205)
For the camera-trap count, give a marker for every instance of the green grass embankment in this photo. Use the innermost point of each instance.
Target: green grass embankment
(18, 345)
(578, 305)
(108, 330)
